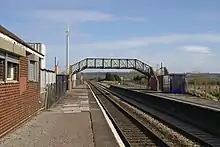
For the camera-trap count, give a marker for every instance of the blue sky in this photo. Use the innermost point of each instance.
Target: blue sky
(184, 35)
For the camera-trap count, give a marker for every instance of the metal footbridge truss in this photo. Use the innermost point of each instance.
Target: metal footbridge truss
(108, 63)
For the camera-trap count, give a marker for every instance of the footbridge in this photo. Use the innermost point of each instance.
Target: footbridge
(111, 63)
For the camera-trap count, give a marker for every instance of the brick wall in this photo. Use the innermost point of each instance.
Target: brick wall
(18, 100)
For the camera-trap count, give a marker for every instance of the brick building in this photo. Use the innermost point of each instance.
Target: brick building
(19, 80)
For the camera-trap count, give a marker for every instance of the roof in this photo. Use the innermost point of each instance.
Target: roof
(16, 38)
(47, 70)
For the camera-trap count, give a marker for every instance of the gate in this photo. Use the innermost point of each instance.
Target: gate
(61, 85)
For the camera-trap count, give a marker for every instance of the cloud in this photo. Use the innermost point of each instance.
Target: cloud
(152, 40)
(85, 35)
(197, 58)
(175, 51)
(134, 19)
(197, 49)
(171, 51)
(82, 16)
(209, 16)
(174, 59)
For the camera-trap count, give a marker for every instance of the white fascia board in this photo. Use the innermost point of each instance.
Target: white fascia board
(35, 53)
(26, 48)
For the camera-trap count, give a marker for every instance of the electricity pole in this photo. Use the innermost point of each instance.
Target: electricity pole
(67, 50)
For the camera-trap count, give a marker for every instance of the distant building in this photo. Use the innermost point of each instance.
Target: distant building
(40, 47)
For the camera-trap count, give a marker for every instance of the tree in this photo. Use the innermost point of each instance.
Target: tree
(112, 77)
(137, 78)
(117, 78)
(109, 77)
(99, 79)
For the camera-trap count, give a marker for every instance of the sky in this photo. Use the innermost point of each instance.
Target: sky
(183, 35)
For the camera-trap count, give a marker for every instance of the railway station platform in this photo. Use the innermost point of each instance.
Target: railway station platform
(76, 120)
(193, 100)
(184, 98)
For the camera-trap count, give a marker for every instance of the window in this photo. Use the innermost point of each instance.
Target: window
(9, 67)
(12, 71)
(33, 70)
(2, 69)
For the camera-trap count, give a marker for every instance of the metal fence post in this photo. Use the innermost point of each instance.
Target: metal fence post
(219, 91)
(195, 87)
(49, 97)
(206, 89)
(46, 98)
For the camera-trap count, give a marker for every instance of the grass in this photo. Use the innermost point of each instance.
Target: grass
(213, 91)
(215, 94)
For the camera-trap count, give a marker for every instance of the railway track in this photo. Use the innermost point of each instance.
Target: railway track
(132, 132)
(200, 137)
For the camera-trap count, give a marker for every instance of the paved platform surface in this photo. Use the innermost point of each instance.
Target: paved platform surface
(103, 136)
(66, 124)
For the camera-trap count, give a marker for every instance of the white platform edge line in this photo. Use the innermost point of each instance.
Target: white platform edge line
(117, 137)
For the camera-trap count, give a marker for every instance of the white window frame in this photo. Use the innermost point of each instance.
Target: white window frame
(12, 72)
(36, 74)
(3, 78)
(9, 58)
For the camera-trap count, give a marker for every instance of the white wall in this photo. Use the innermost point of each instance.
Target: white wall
(46, 78)
(40, 47)
(43, 61)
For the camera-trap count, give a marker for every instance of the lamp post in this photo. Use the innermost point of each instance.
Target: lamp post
(67, 51)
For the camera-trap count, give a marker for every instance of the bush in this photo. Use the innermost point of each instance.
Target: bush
(112, 77)
(117, 78)
(203, 81)
(100, 79)
(216, 94)
(109, 77)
